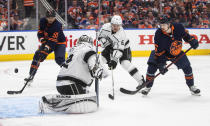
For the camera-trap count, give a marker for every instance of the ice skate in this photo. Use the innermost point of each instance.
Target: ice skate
(141, 82)
(195, 91)
(145, 91)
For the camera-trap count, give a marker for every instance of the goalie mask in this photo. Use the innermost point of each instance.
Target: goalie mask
(85, 38)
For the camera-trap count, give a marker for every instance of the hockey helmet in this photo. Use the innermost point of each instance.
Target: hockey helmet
(164, 19)
(85, 38)
(116, 19)
(50, 14)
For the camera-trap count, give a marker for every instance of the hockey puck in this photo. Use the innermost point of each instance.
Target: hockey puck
(16, 70)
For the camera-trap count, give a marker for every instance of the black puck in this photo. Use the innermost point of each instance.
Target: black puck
(16, 70)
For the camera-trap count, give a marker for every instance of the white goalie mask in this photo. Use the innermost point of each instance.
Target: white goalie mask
(85, 38)
(116, 19)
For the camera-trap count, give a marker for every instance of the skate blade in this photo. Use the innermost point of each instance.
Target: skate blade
(195, 94)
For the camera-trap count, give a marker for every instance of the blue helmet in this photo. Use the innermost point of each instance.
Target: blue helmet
(164, 19)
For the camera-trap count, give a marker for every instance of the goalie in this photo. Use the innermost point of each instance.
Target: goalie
(75, 76)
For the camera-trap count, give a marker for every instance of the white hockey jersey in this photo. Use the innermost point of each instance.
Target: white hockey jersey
(118, 40)
(76, 67)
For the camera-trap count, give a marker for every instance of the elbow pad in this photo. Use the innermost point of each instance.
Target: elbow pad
(117, 54)
(104, 42)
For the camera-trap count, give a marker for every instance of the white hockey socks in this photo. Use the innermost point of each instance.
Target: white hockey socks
(132, 70)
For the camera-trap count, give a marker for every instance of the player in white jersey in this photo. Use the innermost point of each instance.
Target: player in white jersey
(76, 74)
(117, 48)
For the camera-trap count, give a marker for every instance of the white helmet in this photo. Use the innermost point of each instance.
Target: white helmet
(116, 19)
(85, 38)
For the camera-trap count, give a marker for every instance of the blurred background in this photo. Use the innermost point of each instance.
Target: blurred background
(83, 14)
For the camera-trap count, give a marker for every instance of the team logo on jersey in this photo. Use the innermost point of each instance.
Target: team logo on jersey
(176, 48)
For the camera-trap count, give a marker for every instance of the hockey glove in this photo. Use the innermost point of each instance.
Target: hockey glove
(44, 51)
(162, 68)
(112, 64)
(97, 72)
(194, 43)
(43, 40)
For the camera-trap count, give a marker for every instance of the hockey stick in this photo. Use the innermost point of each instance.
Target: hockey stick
(125, 91)
(49, 8)
(26, 83)
(97, 56)
(111, 96)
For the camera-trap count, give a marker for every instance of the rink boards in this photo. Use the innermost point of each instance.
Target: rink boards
(21, 45)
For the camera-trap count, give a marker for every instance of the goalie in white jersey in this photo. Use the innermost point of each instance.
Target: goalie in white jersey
(76, 74)
(117, 48)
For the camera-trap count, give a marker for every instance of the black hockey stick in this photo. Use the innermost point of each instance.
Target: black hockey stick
(111, 96)
(125, 91)
(26, 83)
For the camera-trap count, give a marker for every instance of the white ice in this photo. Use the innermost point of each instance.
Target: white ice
(168, 104)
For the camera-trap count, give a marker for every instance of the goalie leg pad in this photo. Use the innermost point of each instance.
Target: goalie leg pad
(84, 103)
(70, 89)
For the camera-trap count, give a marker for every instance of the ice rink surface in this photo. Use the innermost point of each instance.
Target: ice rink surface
(168, 104)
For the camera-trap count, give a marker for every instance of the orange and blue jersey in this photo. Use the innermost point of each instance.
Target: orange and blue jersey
(169, 46)
(52, 32)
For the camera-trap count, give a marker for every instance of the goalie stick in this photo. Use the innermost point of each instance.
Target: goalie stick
(125, 91)
(97, 55)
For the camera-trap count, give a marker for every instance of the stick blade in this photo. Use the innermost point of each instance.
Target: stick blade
(111, 96)
(125, 91)
(13, 92)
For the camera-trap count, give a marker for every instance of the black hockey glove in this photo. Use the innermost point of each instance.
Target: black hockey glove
(194, 43)
(112, 64)
(44, 51)
(43, 40)
(162, 68)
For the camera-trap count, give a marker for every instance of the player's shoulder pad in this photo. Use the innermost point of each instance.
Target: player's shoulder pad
(178, 26)
(88, 54)
(120, 35)
(58, 24)
(107, 27)
(158, 30)
(43, 21)
(158, 35)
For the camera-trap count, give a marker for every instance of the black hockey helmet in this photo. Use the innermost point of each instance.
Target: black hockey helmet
(164, 19)
(85, 38)
(50, 14)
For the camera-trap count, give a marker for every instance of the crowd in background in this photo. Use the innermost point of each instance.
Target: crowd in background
(83, 14)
